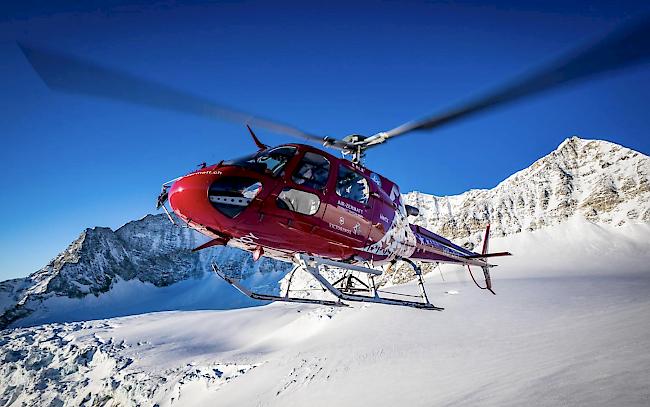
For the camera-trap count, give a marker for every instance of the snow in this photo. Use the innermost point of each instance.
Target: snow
(576, 247)
(542, 341)
(137, 297)
(570, 324)
(597, 180)
(567, 327)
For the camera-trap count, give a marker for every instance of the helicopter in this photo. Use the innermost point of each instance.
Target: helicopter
(302, 204)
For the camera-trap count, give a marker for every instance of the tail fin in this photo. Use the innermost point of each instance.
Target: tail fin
(486, 269)
(486, 247)
(486, 240)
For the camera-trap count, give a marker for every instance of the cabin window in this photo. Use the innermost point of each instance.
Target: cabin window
(276, 159)
(352, 185)
(298, 201)
(270, 161)
(312, 171)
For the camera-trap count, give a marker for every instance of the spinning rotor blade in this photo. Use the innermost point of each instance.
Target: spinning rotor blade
(69, 74)
(625, 47)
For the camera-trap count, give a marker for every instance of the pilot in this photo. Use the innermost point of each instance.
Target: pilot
(311, 175)
(359, 190)
(304, 174)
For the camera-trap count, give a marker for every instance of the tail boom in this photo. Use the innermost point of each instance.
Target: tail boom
(433, 248)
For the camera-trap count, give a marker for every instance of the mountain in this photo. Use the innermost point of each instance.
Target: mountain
(592, 180)
(597, 180)
(146, 265)
(108, 273)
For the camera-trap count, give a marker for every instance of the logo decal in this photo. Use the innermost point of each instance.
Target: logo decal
(349, 207)
(248, 239)
(340, 228)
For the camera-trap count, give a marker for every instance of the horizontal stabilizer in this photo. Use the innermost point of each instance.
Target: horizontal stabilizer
(486, 255)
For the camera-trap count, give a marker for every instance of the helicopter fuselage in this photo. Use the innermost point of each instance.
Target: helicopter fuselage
(295, 198)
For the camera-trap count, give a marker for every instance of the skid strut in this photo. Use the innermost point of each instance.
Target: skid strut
(345, 288)
(269, 297)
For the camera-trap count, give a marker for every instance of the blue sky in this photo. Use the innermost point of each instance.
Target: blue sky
(71, 162)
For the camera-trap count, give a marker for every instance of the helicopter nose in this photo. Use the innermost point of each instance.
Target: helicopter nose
(188, 198)
(212, 198)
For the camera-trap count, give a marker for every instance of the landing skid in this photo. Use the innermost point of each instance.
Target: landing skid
(268, 297)
(345, 288)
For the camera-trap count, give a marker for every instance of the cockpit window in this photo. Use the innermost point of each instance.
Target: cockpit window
(312, 171)
(276, 159)
(270, 161)
(352, 185)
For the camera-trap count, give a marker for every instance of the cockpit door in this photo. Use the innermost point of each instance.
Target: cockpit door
(304, 186)
(296, 205)
(348, 212)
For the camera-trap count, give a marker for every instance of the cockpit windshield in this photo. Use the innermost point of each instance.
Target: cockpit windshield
(271, 161)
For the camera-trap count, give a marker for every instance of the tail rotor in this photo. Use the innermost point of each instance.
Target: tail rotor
(486, 268)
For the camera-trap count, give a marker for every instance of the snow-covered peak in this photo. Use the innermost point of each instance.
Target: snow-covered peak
(598, 180)
(149, 250)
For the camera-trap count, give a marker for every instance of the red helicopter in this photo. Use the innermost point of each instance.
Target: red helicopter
(301, 204)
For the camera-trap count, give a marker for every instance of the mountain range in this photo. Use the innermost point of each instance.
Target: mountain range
(146, 265)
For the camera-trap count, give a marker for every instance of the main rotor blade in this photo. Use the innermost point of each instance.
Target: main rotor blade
(70, 74)
(626, 47)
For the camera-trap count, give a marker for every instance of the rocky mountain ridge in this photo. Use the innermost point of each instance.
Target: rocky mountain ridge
(598, 180)
(150, 250)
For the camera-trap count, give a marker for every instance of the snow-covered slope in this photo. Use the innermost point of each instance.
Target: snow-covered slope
(576, 336)
(146, 265)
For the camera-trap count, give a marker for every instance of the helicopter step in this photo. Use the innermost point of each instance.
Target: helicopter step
(345, 288)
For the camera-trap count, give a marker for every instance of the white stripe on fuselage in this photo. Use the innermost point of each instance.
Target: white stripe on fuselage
(398, 241)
